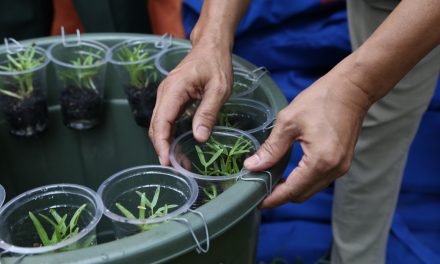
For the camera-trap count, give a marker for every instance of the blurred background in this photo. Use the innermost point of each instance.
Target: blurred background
(297, 41)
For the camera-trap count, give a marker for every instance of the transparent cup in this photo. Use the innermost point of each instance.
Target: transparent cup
(169, 59)
(176, 194)
(17, 231)
(251, 116)
(218, 176)
(133, 61)
(23, 89)
(2, 195)
(246, 81)
(80, 68)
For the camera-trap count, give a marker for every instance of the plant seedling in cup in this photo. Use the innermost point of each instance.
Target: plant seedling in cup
(143, 82)
(80, 99)
(218, 159)
(61, 229)
(23, 103)
(145, 204)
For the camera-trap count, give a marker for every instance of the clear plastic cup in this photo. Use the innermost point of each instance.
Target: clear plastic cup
(2, 195)
(176, 191)
(251, 116)
(80, 68)
(18, 234)
(245, 83)
(133, 61)
(23, 92)
(184, 156)
(169, 59)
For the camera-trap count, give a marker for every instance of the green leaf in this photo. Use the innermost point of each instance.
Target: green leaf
(125, 212)
(40, 230)
(201, 156)
(75, 217)
(142, 206)
(155, 198)
(214, 157)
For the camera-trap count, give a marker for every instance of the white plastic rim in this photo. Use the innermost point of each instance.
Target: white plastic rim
(128, 43)
(218, 130)
(151, 169)
(259, 106)
(84, 43)
(91, 195)
(180, 49)
(38, 50)
(2, 195)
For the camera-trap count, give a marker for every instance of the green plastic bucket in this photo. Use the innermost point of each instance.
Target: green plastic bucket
(63, 155)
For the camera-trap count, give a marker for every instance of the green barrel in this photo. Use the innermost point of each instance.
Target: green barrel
(63, 155)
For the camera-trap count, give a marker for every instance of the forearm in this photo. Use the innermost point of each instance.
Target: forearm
(404, 38)
(218, 22)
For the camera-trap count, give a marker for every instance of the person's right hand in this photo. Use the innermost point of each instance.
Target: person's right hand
(205, 74)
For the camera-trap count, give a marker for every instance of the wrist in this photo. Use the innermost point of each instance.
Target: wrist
(214, 36)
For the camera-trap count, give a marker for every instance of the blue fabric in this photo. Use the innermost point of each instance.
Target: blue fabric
(299, 41)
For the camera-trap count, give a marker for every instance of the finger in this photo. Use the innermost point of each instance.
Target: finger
(291, 190)
(165, 114)
(206, 114)
(273, 149)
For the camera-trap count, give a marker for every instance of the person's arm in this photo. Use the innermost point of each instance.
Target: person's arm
(206, 74)
(326, 117)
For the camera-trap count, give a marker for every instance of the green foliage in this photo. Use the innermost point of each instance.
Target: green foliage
(140, 73)
(82, 77)
(221, 160)
(22, 61)
(144, 203)
(61, 231)
(223, 119)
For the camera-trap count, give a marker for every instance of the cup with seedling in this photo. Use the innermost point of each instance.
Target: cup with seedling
(50, 218)
(141, 198)
(251, 116)
(80, 66)
(133, 61)
(23, 88)
(215, 164)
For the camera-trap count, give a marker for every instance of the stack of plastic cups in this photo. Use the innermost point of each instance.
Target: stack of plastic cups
(18, 234)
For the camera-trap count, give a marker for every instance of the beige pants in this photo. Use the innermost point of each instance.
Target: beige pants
(365, 199)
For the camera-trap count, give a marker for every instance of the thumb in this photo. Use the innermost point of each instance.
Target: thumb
(273, 149)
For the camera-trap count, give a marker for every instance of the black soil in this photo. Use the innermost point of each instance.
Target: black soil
(26, 117)
(142, 102)
(79, 104)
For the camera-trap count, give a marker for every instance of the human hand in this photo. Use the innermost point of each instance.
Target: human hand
(205, 74)
(325, 119)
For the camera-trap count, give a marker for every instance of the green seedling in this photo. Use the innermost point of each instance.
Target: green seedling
(84, 73)
(22, 61)
(144, 203)
(221, 160)
(223, 119)
(140, 73)
(61, 229)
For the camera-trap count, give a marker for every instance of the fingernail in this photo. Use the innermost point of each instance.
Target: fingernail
(252, 161)
(203, 132)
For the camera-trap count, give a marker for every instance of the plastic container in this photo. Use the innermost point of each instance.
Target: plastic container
(2, 195)
(23, 91)
(246, 81)
(81, 72)
(169, 59)
(213, 179)
(88, 158)
(133, 61)
(251, 116)
(17, 231)
(176, 192)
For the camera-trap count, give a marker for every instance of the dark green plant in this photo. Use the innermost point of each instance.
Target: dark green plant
(22, 61)
(140, 73)
(84, 73)
(144, 203)
(221, 160)
(61, 230)
(224, 119)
